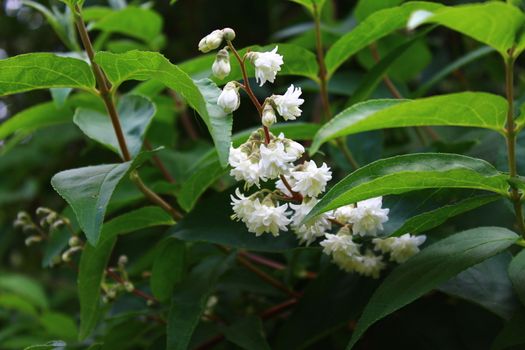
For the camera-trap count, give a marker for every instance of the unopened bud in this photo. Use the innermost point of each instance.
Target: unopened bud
(229, 99)
(221, 66)
(111, 293)
(32, 239)
(128, 286)
(43, 211)
(268, 115)
(229, 34)
(211, 41)
(74, 241)
(122, 260)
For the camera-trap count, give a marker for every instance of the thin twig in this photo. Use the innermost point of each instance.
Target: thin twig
(105, 92)
(323, 87)
(266, 314)
(396, 94)
(159, 164)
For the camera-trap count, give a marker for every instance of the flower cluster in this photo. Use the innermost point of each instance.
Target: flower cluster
(356, 247)
(267, 161)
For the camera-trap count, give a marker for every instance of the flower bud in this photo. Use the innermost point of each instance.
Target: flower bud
(228, 34)
(221, 67)
(268, 115)
(128, 286)
(229, 99)
(74, 241)
(122, 260)
(211, 41)
(32, 239)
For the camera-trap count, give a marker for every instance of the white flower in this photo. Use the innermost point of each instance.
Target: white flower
(400, 248)
(288, 104)
(308, 232)
(221, 66)
(267, 64)
(243, 168)
(229, 98)
(339, 244)
(279, 184)
(211, 41)
(242, 206)
(342, 214)
(368, 217)
(369, 264)
(274, 160)
(311, 180)
(268, 218)
(268, 115)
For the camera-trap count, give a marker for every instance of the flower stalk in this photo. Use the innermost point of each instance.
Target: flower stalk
(510, 137)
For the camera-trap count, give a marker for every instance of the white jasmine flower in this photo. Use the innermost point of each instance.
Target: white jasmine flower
(400, 248)
(292, 148)
(308, 232)
(267, 64)
(268, 115)
(243, 168)
(369, 264)
(310, 181)
(211, 41)
(268, 218)
(342, 214)
(221, 66)
(333, 244)
(229, 98)
(288, 104)
(242, 206)
(274, 160)
(368, 217)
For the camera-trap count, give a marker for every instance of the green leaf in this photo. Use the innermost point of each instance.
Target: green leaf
(135, 114)
(88, 191)
(373, 28)
(379, 69)
(189, 301)
(207, 170)
(35, 71)
(44, 115)
(24, 287)
(431, 267)
(137, 22)
(512, 333)
(329, 303)
(94, 260)
(17, 303)
(452, 67)
(486, 284)
(311, 4)
(201, 95)
(217, 212)
(168, 268)
(517, 275)
(248, 334)
(59, 325)
(365, 8)
(52, 345)
(434, 218)
(468, 109)
(412, 172)
(496, 24)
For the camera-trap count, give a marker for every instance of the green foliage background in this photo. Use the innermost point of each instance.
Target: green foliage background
(466, 302)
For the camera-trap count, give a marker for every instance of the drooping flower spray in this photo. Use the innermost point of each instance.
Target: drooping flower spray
(267, 158)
